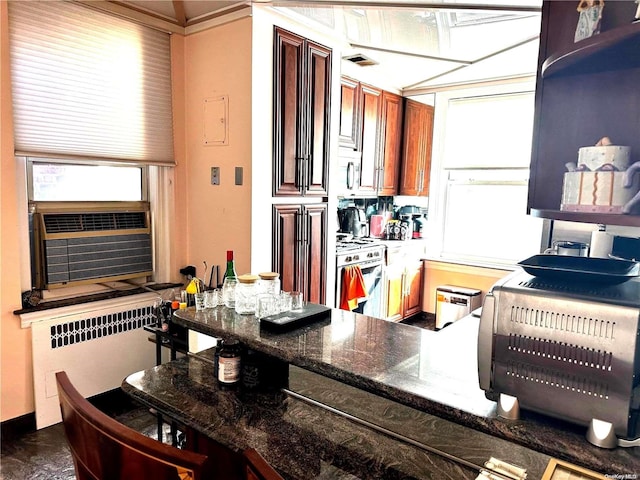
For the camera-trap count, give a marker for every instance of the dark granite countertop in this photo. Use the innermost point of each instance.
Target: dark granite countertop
(433, 372)
(301, 433)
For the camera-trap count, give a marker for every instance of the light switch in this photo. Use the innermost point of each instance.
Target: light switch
(215, 175)
(238, 175)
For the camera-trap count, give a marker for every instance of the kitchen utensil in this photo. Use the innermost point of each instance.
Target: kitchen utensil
(406, 226)
(580, 269)
(419, 223)
(354, 221)
(563, 247)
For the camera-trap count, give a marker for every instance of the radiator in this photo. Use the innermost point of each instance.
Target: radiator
(98, 344)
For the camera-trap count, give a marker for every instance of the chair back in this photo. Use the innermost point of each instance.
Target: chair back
(257, 468)
(104, 449)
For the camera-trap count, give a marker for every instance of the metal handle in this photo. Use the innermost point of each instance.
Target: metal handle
(299, 219)
(299, 171)
(351, 175)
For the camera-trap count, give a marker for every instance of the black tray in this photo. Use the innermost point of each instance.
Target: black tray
(581, 269)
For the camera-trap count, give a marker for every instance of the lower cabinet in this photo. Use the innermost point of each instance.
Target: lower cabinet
(300, 249)
(403, 286)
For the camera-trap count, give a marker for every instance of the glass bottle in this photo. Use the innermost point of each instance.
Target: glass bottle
(229, 364)
(246, 291)
(231, 267)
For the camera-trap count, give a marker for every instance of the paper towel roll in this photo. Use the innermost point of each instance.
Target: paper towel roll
(601, 243)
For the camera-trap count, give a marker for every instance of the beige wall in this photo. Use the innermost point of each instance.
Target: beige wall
(15, 343)
(440, 273)
(218, 62)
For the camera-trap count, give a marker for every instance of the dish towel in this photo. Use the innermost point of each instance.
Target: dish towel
(353, 287)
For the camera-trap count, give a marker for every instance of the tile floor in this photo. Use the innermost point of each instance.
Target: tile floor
(44, 455)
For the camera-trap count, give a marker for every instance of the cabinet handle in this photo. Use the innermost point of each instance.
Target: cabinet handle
(299, 227)
(299, 172)
(351, 175)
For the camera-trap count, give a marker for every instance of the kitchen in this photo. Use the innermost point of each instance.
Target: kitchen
(208, 231)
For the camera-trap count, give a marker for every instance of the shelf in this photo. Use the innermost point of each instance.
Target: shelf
(612, 50)
(595, 218)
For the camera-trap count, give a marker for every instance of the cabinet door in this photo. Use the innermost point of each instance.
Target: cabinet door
(390, 142)
(370, 136)
(394, 283)
(413, 289)
(287, 241)
(349, 114)
(317, 120)
(416, 150)
(289, 146)
(315, 253)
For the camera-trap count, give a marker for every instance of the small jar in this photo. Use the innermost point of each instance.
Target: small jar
(246, 292)
(269, 283)
(229, 363)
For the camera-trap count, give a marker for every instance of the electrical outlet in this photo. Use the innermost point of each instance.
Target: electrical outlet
(238, 175)
(215, 175)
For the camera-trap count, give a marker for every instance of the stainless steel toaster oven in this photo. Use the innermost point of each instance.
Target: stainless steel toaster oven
(565, 348)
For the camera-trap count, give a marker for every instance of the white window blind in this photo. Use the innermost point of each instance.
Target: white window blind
(90, 85)
(489, 131)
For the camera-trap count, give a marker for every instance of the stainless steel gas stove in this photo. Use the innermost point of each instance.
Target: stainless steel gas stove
(367, 254)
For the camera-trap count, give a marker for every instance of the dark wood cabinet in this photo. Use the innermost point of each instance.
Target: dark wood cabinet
(300, 249)
(349, 113)
(390, 143)
(416, 149)
(302, 98)
(370, 138)
(585, 90)
(369, 164)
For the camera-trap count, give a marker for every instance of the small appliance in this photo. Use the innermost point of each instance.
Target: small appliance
(353, 220)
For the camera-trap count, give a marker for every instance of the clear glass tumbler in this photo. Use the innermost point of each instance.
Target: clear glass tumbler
(229, 292)
(199, 301)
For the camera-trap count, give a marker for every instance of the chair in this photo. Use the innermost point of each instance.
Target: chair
(104, 449)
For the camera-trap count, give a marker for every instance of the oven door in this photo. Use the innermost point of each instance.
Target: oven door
(371, 304)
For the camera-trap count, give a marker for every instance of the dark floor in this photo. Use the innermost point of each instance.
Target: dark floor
(44, 455)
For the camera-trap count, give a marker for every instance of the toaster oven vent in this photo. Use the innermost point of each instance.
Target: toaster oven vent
(563, 322)
(563, 381)
(561, 351)
(588, 289)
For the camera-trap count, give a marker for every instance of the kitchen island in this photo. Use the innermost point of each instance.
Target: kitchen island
(371, 398)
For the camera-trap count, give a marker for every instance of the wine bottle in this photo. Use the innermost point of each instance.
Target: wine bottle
(231, 267)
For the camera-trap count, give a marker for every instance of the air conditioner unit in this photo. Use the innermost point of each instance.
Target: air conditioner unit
(80, 243)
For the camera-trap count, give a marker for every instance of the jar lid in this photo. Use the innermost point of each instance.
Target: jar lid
(269, 275)
(247, 278)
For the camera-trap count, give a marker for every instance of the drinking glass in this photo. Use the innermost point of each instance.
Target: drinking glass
(284, 301)
(229, 292)
(199, 301)
(210, 299)
(266, 305)
(297, 301)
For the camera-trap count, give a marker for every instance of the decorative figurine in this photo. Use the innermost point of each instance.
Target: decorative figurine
(590, 14)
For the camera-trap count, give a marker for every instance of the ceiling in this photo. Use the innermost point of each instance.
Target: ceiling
(415, 46)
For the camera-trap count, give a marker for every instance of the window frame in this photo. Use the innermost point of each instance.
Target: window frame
(440, 175)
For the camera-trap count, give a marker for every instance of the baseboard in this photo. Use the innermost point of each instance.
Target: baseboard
(18, 426)
(113, 402)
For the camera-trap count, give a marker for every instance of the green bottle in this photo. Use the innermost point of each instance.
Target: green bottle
(231, 268)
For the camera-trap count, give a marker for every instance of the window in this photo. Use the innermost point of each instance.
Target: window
(93, 131)
(65, 182)
(485, 144)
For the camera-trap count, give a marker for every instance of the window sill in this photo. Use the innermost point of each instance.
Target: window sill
(95, 297)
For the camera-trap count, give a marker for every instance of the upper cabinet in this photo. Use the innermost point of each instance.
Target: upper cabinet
(585, 90)
(417, 137)
(370, 136)
(302, 97)
(349, 113)
(390, 143)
